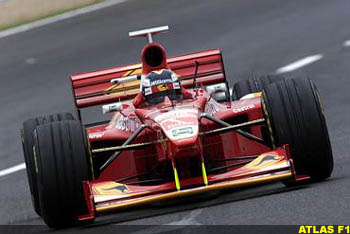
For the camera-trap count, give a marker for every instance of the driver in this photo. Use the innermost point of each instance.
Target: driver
(157, 85)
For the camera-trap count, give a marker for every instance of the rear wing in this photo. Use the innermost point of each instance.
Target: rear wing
(95, 88)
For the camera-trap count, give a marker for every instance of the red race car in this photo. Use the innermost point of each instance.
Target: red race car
(174, 129)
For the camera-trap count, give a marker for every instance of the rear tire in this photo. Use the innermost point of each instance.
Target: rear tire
(27, 138)
(63, 163)
(295, 116)
(253, 85)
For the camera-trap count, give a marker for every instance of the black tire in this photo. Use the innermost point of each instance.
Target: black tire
(64, 162)
(253, 85)
(28, 143)
(295, 117)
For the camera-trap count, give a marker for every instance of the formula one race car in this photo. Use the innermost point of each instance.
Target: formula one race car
(173, 131)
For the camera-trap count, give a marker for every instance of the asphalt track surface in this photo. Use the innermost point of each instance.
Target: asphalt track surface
(256, 37)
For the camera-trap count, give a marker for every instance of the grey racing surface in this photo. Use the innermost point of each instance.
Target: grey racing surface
(256, 37)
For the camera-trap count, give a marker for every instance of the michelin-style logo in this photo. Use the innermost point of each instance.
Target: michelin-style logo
(182, 131)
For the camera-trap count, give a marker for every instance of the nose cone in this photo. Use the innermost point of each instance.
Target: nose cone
(181, 129)
(183, 136)
(179, 124)
(183, 141)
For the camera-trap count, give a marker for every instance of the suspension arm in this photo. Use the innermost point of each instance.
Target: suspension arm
(122, 148)
(236, 128)
(115, 155)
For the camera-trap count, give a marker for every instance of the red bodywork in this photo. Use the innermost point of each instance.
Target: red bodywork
(175, 129)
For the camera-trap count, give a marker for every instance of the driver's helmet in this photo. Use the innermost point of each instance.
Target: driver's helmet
(156, 85)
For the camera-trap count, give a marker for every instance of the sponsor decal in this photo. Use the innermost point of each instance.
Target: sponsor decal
(148, 91)
(267, 158)
(96, 135)
(161, 81)
(35, 160)
(146, 82)
(182, 131)
(174, 123)
(179, 123)
(267, 161)
(127, 124)
(121, 188)
(243, 108)
(176, 85)
(134, 71)
(174, 76)
(161, 77)
(162, 87)
(181, 113)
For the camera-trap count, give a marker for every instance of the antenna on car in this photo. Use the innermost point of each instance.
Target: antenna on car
(149, 32)
(196, 63)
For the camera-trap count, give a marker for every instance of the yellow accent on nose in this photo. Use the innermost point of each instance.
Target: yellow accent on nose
(177, 181)
(204, 173)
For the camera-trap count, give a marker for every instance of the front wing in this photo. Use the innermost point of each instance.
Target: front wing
(103, 197)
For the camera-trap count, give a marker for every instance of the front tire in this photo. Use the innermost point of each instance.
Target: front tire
(295, 116)
(253, 85)
(63, 164)
(27, 138)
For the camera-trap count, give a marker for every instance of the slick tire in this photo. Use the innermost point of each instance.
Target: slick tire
(294, 114)
(27, 138)
(253, 85)
(64, 161)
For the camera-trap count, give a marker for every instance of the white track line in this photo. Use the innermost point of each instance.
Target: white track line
(189, 219)
(300, 63)
(60, 17)
(13, 169)
(346, 43)
(44, 22)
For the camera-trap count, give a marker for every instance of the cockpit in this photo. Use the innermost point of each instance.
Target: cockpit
(160, 84)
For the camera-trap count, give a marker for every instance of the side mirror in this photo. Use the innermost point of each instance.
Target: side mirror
(211, 89)
(118, 106)
(218, 92)
(126, 79)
